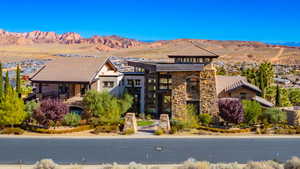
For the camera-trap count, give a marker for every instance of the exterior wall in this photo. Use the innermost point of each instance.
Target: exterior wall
(108, 74)
(142, 86)
(236, 93)
(207, 85)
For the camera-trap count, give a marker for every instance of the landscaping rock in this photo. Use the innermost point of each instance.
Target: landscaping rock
(130, 122)
(164, 123)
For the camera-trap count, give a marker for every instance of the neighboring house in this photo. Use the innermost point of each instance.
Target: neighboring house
(238, 87)
(72, 77)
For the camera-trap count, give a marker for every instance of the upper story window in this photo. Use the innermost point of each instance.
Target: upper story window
(137, 82)
(108, 84)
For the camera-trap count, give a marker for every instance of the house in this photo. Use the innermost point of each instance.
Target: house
(188, 78)
(71, 77)
(238, 87)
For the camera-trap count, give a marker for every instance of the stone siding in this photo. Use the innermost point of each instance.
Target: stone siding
(207, 85)
(208, 92)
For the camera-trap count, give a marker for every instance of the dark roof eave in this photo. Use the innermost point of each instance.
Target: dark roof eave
(193, 56)
(50, 81)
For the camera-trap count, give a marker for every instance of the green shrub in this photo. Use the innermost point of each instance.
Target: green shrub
(16, 131)
(158, 132)
(106, 129)
(286, 131)
(71, 119)
(273, 115)
(129, 131)
(294, 96)
(104, 106)
(252, 110)
(205, 118)
(263, 165)
(293, 163)
(46, 164)
(148, 117)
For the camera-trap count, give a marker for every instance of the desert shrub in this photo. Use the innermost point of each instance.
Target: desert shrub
(106, 129)
(47, 131)
(293, 163)
(50, 112)
(16, 131)
(158, 132)
(224, 130)
(192, 164)
(46, 164)
(188, 116)
(129, 131)
(263, 165)
(142, 115)
(273, 115)
(286, 131)
(133, 165)
(104, 106)
(111, 166)
(252, 110)
(149, 117)
(231, 110)
(71, 119)
(205, 118)
(176, 126)
(226, 166)
(75, 166)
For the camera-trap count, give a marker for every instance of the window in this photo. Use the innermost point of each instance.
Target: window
(129, 82)
(108, 84)
(243, 95)
(137, 82)
(192, 88)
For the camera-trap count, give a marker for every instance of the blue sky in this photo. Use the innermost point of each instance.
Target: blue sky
(260, 20)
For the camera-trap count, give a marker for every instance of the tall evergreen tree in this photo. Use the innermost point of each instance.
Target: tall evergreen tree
(18, 80)
(278, 96)
(1, 80)
(7, 84)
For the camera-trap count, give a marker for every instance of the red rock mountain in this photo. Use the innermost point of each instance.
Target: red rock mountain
(8, 38)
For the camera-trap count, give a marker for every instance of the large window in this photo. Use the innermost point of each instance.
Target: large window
(192, 88)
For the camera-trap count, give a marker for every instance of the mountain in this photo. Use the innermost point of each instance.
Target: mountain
(38, 37)
(292, 44)
(38, 44)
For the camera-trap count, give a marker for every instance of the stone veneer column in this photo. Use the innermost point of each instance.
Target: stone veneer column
(178, 93)
(208, 92)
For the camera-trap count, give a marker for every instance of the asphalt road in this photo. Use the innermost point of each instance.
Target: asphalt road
(163, 151)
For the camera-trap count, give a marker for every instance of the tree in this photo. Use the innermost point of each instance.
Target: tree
(1, 80)
(294, 96)
(271, 94)
(107, 108)
(50, 112)
(252, 110)
(11, 108)
(7, 84)
(18, 80)
(273, 115)
(284, 95)
(231, 110)
(278, 96)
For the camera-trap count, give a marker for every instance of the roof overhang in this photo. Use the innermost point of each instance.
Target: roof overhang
(166, 67)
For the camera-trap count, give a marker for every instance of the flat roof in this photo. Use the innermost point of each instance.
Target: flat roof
(166, 66)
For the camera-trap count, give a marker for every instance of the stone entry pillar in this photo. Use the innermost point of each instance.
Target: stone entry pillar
(130, 122)
(164, 123)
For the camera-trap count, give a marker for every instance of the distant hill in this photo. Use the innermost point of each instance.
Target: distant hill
(291, 44)
(38, 44)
